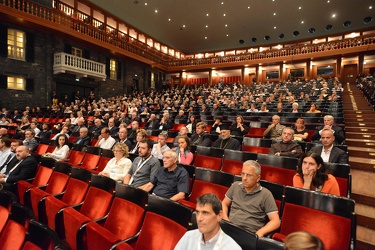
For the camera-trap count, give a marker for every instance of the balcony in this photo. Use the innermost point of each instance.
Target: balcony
(81, 67)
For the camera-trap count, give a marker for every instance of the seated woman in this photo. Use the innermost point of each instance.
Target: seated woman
(300, 131)
(25, 124)
(252, 108)
(183, 150)
(119, 165)
(313, 108)
(238, 128)
(215, 129)
(312, 175)
(62, 149)
(263, 108)
(191, 124)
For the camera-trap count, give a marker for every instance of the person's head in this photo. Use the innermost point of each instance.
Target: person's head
(45, 126)
(29, 134)
(122, 133)
(111, 122)
(250, 174)
(239, 119)
(3, 131)
(141, 134)
(329, 120)
(300, 123)
(33, 125)
(279, 106)
(105, 133)
(5, 143)
(65, 129)
(327, 138)
(162, 138)
(120, 150)
(183, 130)
(22, 152)
(14, 144)
(181, 112)
(24, 120)
(275, 119)
(135, 125)
(152, 117)
(311, 162)
(313, 106)
(83, 132)
(192, 118)
(302, 240)
(170, 159)
(97, 122)
(295, 106)
(183, 142)
(287, 134)
(200, 128)
(145, 147)
(224, 131)
(209, 213)
(62, 140)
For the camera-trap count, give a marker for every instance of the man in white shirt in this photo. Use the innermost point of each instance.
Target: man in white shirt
(5, 154)
(105, 141)
(209, 234)
(160, 147)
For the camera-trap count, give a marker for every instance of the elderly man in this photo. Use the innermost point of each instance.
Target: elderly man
(171, 181)
(286, 147)
(113, 130)
(3, 132)
(183, 131)
(105, 141)
(252, 206)
(30, 141)
(275, 129)
(160, 147)
(123, 137)
(23, 168)
(97, 128)
(144, 167)
(132, 132)
(327, 151)
(80, 124)
(152, 123)
(201, 138)
(209, 234)
(329, 124)
(83, 138)
(226, 142)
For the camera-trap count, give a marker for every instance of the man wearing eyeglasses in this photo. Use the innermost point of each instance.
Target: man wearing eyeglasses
(252, 207)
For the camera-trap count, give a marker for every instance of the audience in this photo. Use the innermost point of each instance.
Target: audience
(61, 151)
(300, 131)
(30, 141)
(329, 121)
(83, 138)
(226, 141)
(275, 129)
(119, 165)
(185, 156)
(238, 128)
(200, 137)
(286, 147)
(105, 141)
(312, 175)
(161, 146)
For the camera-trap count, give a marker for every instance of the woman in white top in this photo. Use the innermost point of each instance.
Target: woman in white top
(62, 150)
(119, 165)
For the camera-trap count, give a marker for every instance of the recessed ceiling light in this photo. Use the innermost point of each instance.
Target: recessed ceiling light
(156, 11)
(281, 36)
(145, 3)
(311, 30)
(329, 27)
(207, 14)
(224, 14)
(267, 38)
(227, 34)
(169, 19)
(241, 41)
(370, 7)
(254, 40)
(226, 25)
(205, 37)
(333, 15)
(206, 26)
(302, 22)
(328, 1)
(183, 26)
(367, 19)
(222, 2)
(296, 33)
(299, 7)
(274, 27)
(347, 23)
(248, 7)
(274, 13)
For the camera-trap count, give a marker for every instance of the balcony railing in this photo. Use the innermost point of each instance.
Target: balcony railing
(81, 67)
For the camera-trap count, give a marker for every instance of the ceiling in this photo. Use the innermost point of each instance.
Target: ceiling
(193, 26)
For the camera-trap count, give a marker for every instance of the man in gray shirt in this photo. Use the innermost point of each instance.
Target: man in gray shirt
(144, 167)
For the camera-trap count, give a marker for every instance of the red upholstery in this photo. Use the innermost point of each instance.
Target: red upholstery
(13, 236)
(51, 148)
(30, 246)
(333, 230)
(90, 161)
(159, 232)
(204, 161)
(101, 165)
(277, 175)
(74, 194)
(56, 185)
(72, 138)
(41, 149)
(117, 226)
(343, 186)
(41, 178)
(255, 149)
(203, 187)
(95, 206)
(123, 246)
(4, 214)
(256, 132)
(232, 166)
(76, 157)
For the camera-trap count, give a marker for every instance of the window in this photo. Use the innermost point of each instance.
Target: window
(325, 70)
(76, 52)
(272, 74)
(297, 73)
(112, 70)
(17, 83)
(16, 44)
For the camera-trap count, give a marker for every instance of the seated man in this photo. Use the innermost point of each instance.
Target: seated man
(30, 141)
(83, 138)
(105, 141)
(183, 131)
(209, 234)
(123, 137)
(275, 129)
(144, 167)
(152, 123)
(327, 151)
(201, 138)
(328, 124)
(171, 181)
(252, 206)
(226, 142)
(23, 168)
(159, 148)
(286, 147)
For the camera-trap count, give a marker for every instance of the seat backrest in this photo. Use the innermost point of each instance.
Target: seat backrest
(246, 240)
(255, 149)
(12, 236)
(57, 183)
(203, 187)
(213, 176)
(40, 236)
(41, 149)
(132, 194)
(277, 175)
(278, 161)
(90, 161)
(96, 203)
(278, 192)
(159, 232)
(4, 214)
(42, 176)
(76, 157)
(102, 163)
(209, 151)
(209, 162)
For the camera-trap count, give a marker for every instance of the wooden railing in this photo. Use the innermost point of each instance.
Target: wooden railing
(67, 17)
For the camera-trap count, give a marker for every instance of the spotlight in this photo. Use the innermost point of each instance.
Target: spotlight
(254, 40)
(329, 27)
(367, 19)
(241, 41)
(296, 33)
(267, 38)
(312, 30)
(347, 24)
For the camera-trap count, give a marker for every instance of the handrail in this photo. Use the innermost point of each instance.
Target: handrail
(82, 23)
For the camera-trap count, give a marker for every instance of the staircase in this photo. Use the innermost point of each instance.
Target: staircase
(360, 138)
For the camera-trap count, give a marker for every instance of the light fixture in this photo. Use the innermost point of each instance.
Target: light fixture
(254, 40)
(281, 36)
(267, 38)
(367, 19)
(347, 24)
(296, 33)
(312, 30)
(329, 27)
(241, 41)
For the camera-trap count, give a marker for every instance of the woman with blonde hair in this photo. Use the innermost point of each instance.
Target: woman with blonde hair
(119, 165)
(302, 240)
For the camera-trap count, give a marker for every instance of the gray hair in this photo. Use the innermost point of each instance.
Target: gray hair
(254, 164)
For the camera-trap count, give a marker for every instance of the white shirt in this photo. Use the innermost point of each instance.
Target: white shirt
(118, 170)
(325, 155)
(106, 144)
